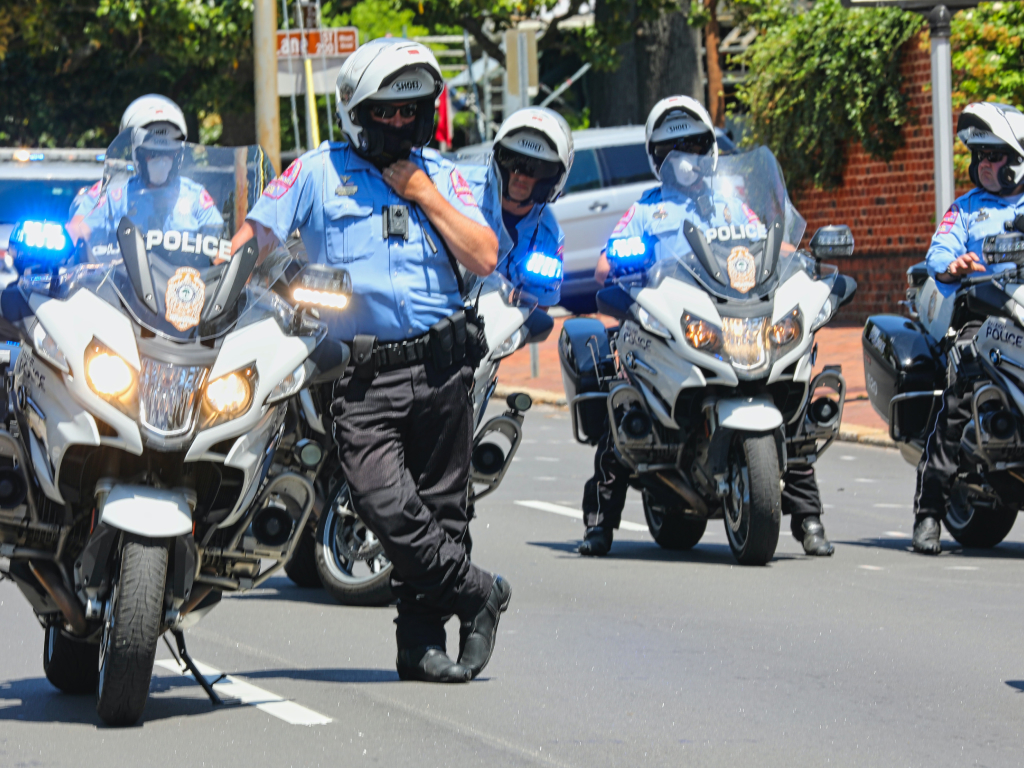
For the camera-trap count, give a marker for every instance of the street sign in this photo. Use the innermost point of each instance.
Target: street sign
(334, 42)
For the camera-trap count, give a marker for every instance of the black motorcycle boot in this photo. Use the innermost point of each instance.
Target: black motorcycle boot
(597, 541)
(926, 535)
(478, 636)
(808, 530)
(430, 664)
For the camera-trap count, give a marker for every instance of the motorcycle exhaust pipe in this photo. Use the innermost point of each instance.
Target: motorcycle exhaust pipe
(680, 486)
(46, 574)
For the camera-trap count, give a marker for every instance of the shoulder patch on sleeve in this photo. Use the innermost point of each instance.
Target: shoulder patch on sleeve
(461, 188)
(278, 187)
(946, 225)
(624, 221)
(749, 212)
(94, 190)
(205, 200)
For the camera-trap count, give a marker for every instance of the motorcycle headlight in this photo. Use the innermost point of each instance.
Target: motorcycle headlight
(786, 331)
(743, 340)
(108, 374)
(229, 395)
(47, 349)
(291, 384)
(652, 324)
(702, 335)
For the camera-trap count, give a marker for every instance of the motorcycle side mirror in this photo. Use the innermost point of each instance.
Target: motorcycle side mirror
(832, 241)
(44, 245)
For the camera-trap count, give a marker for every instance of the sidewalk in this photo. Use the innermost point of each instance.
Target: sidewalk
(835, 346)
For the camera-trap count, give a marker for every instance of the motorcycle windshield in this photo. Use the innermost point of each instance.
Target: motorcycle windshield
(741, 233)
(156, 240)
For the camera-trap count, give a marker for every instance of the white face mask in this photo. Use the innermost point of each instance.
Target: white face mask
(159, 168)
(681, 170)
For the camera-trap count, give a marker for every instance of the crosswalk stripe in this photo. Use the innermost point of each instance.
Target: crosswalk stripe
(232, 689)
(558, 509)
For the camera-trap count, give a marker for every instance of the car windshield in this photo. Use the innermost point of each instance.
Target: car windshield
(157, 241)
(742, 234)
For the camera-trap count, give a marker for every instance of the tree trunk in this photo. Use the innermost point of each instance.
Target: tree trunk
(614, 94)
(667, 61)
(716, 91)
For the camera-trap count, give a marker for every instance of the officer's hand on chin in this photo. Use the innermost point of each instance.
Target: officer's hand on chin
(409, 181)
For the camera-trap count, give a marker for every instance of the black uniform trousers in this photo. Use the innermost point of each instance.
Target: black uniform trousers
(404, 440)
(604, 494)
(941, 458)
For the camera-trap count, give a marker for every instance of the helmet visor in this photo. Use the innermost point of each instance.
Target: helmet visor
(514, 162)
(699, 144)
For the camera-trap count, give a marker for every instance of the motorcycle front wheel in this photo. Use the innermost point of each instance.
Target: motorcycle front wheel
(753, 506)
(131, 629)
(669, 526)
(350, 560)
(977, 525)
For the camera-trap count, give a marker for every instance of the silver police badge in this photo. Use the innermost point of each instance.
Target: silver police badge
(345, 189)
(741, 269)
(184, 299)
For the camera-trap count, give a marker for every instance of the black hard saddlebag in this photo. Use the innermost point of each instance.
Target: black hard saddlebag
(903, 368)
(586, 358)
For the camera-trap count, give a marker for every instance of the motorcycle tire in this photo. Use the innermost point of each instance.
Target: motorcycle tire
(668, 525)
(345, 548)
(975, 527)
(753, 508)
(71, 665)
(301, 568)
(131, 631)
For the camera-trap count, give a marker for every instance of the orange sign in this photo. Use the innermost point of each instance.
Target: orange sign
(338, 41)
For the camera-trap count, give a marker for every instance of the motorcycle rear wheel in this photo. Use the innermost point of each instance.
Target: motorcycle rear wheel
(351, 562)
(753, 507)
(71, 665)
(975, 526)
(131, 630)
(668, 525)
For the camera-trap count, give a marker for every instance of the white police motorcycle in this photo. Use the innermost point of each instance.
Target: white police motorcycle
(706, 386)
(338, 551)
(139, 467)
(906, 364)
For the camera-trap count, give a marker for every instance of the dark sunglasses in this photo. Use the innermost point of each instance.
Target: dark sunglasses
(690, 145)
(992, 155)
(387, 111)
(513, 162)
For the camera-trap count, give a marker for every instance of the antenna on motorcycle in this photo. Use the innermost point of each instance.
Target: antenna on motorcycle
(232, 280)
(133, 251)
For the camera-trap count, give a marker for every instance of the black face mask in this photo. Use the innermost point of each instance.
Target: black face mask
(397, 145)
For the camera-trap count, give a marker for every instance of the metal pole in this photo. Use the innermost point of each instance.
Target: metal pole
(942, 109)
(295, 112)
(524, 70)
(264, 46)
(312, 123)
(534, 361)
(472, 83)
(562, 88)
(323, 63)
(488, 112)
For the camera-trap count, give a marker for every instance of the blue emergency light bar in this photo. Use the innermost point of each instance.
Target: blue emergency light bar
(544, 266)
(629, 254)
(39, 243)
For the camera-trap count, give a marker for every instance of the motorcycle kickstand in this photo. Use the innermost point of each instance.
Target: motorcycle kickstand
(179, 639)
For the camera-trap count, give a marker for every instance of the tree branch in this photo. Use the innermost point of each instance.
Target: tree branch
(475, 28)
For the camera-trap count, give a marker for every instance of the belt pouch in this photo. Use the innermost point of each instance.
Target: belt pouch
(442, 340)
(458, 321)
(476, 339)
(363, 359)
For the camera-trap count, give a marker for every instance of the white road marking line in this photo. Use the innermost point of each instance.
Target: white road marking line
(898, 534)
(865, 480)
(576, 514)
(871, 567)
(962, 568)
(233, 688)
(848, 458)
(546, 458)
(544, 477)
(886, 505)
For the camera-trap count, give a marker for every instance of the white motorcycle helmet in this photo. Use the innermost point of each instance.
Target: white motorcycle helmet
(383, 70)
(537, 142)
(994, 127)
(157, 114)
(680, 125)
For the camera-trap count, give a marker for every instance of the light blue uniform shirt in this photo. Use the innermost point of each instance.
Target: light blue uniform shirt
(537, 232)
(969, 220)
(662, 210)
(334, 198)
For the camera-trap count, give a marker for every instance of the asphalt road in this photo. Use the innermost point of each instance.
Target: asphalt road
(873, 657)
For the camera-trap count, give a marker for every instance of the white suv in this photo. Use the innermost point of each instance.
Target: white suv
(609, 173)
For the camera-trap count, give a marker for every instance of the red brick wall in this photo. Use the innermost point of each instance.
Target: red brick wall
(889, 206)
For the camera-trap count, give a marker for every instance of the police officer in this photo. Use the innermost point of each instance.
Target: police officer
(527, 170)
(995, 135)
(153, 112)
(398, 217)
(156, 197)
(682, 151)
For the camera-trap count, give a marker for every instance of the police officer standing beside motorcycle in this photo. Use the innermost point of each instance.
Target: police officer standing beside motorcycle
(995, 135)
(680, 126)
(401, 219)
(526, 171)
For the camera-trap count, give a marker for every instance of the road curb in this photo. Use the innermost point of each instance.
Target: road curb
(848, 433)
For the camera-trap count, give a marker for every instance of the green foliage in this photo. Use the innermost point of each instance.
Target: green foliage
(824, 77)
(375, 18)
(988, 54)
